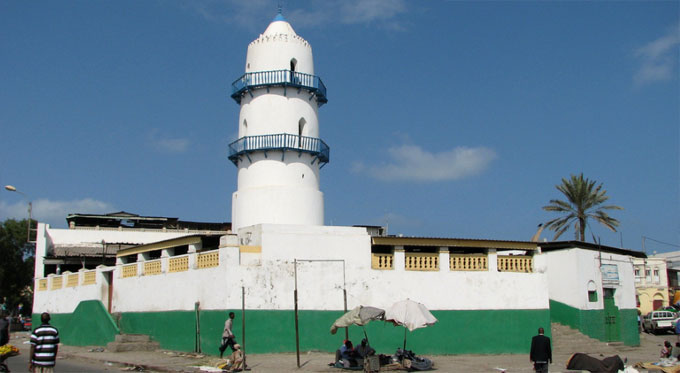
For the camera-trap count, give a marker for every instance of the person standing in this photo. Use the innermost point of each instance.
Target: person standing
(227, 336)
(4, 328)
(541, 352)
(44, 346)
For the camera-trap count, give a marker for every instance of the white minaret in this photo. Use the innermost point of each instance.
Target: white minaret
(279, 152)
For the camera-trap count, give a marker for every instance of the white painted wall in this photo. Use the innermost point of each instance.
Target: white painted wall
(269, 279)
(570, 270)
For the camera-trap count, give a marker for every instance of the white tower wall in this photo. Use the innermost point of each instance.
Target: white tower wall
(278, 173)
(282, 115)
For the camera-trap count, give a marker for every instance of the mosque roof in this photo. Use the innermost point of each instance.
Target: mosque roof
(279, 26)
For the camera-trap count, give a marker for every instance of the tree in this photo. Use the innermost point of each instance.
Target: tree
(16, 265)
(584, 201)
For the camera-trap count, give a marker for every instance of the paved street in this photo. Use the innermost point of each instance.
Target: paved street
(90, 359)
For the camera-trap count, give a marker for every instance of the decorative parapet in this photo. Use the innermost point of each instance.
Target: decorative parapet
(515, 263)
(72, 280)
(89, 277)
(152, 267)
(382, 261)
(468, 262)
(209, 259)
(178, 264)
(57, 282)
(129, 270)
(42, 284)
(422, 261)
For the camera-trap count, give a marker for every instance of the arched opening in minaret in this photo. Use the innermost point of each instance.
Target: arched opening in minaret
(301, 126)
(293, 64)
(245, 127)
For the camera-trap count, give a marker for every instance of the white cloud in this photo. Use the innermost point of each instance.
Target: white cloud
(411, 163)
(249, 14)
(53, 212)
(365, 11)
(168, 145)
(172, 145)
(659, 58)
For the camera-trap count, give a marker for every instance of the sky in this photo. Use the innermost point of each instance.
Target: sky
(445, 118)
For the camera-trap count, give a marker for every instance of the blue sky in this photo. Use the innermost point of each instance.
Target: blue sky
(445, 118)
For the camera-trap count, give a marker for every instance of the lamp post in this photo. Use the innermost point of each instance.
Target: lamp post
(11, 188)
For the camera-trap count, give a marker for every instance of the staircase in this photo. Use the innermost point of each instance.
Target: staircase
(567, 341)
(132, 342)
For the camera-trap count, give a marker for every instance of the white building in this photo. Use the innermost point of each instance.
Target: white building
(592, 289)
(281, 264)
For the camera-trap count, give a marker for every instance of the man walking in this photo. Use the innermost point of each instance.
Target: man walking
(44, 346)
(227, 335)
(541, 353)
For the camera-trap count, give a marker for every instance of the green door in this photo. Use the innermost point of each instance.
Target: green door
(612, 331)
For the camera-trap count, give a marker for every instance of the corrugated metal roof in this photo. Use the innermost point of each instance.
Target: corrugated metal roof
(453, 242)
(566, 245)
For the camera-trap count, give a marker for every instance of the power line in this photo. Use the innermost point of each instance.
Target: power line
(661, 242)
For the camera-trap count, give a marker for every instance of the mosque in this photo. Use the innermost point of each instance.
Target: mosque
(287, 276)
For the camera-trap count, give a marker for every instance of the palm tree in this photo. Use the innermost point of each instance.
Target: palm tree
(584, 201)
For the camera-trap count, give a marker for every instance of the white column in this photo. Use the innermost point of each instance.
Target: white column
(444, 255)
(493, 260)
(399, 259)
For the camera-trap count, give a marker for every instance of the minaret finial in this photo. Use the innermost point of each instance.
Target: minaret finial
(279, 15)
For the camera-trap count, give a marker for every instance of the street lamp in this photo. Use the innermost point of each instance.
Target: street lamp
(11, 188)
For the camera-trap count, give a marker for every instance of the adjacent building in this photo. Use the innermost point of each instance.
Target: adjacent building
(651, 284)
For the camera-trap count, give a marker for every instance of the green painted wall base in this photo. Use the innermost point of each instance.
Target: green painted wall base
(591, 322)
(89, 325)
(457, 332)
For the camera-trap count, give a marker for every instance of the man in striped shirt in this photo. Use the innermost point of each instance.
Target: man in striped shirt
(44, 346)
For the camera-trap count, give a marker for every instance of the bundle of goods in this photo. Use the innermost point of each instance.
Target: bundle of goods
(8, 350)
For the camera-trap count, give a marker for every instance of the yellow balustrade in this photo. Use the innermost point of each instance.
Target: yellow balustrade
(152, 267)
(72, 280)
(57, 282)
(422, 261)
(179, 264)
(209, 259)
(515, 263)
(382, 261)
(89, 277)
(42, 284)
(130, 270)
(468, 262)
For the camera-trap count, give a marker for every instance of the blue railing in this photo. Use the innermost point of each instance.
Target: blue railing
(279, 78)
(279, 141)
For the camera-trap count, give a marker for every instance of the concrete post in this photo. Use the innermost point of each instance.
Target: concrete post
(493, 260)
(444, 255)
(399, 258)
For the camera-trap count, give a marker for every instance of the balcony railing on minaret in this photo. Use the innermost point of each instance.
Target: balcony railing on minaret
(280, 141)
(279, 78)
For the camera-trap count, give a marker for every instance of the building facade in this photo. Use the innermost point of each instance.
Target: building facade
(651, 284)
(287, 276)
(592, 289)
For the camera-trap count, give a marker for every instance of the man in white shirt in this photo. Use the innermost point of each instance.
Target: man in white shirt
(228, 339)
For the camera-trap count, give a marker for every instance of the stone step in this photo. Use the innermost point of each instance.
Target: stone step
(123, 338)
(132, 346)
(132, 342)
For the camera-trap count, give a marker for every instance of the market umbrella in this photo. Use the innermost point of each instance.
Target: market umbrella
(409, 314)
(360, 315)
